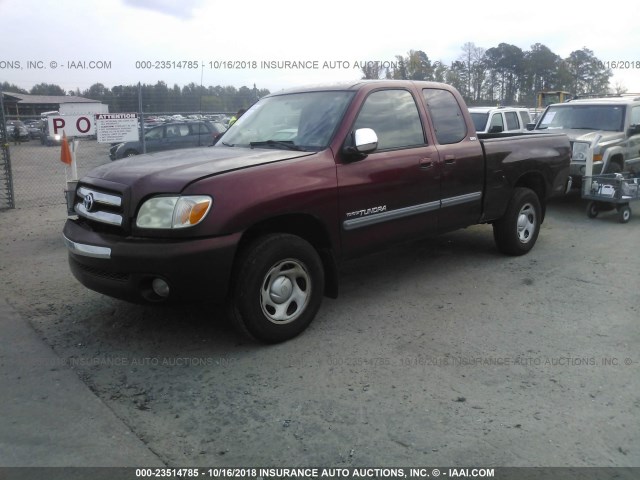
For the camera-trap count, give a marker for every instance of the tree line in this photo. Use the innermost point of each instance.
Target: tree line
(505, 74)
(158, 98)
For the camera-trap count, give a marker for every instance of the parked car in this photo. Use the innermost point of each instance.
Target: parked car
(615, 120)
(23, 132)
(34, 127)
(499, 119)
(47, 138)
(170, 136)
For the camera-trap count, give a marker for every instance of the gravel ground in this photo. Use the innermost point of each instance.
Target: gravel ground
(439, 352)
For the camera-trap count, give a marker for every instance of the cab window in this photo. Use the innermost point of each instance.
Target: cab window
(394, 116)
(446, 115)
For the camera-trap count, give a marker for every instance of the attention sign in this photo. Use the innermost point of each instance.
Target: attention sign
(117, 127)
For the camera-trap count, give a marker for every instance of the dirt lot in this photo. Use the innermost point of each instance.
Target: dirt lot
(441, 352)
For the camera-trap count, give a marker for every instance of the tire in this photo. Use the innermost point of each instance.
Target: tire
(277, 288)
(130, 153)
(613, 167)
(624, 213)
(592, 210)
(517, 231)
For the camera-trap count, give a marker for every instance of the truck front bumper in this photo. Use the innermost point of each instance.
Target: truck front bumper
(578, 169)
(148, 270)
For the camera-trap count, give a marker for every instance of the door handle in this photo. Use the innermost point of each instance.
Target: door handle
(449, 159)
(426, 163)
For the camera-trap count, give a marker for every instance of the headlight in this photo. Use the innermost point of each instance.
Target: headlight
(173, 212)
(580, 151)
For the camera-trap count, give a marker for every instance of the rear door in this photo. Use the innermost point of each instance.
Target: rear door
(154, 139)
(461, 157)
(178, 136)
(394, 193)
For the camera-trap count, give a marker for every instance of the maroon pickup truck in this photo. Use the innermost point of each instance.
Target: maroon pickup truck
(305, 179)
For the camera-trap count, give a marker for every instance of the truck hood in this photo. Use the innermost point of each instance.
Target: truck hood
(588, 136)
(173, 170)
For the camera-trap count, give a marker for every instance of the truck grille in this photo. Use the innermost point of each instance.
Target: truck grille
(99, 206)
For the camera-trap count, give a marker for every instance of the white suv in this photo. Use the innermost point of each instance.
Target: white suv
(500, 119)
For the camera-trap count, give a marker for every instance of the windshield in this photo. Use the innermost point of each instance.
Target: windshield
(301, 121)
(584, 117)
(479, 120)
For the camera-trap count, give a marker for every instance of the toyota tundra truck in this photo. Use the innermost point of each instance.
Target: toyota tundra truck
(304, 180)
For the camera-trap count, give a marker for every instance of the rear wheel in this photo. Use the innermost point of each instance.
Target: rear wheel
(592, 210)
(130, 153)
(277, 288)
(517, 231)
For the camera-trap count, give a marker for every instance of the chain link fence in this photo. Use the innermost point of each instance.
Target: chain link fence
(31, 173)
(6, 179)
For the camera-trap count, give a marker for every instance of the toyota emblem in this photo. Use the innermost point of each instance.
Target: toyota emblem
(88, 202)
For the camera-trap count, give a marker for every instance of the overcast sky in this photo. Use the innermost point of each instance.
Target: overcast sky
(120, 33)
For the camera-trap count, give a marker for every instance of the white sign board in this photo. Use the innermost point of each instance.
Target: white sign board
(117, 127)
(72, 125)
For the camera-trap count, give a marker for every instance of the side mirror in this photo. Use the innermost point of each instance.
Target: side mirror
(365, 140)
(531, 126)
(496, 129)
(633, 130)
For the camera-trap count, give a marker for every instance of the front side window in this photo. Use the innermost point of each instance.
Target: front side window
(199, 129)
(446, 115)
(394, 116)
(524, 116)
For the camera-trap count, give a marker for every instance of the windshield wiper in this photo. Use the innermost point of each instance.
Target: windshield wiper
(227, 144)
(286, 144)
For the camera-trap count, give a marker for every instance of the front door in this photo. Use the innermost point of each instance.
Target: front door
(394, 193)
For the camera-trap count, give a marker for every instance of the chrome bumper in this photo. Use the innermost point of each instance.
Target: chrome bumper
(87, 250)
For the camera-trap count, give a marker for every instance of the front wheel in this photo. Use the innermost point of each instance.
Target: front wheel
(624, 213)
(517, 231)
(277, 288)
(592, 210)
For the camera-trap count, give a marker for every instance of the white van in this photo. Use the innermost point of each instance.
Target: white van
(500, 119)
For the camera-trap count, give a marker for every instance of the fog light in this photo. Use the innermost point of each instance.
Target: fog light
(160, 287)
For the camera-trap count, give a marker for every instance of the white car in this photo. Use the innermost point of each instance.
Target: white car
(500, 119)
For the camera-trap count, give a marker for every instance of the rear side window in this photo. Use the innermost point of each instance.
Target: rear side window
(524, 117)
(446, 115)
(512, 120)
(394, 116)
(180, 130)
(154, 133)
